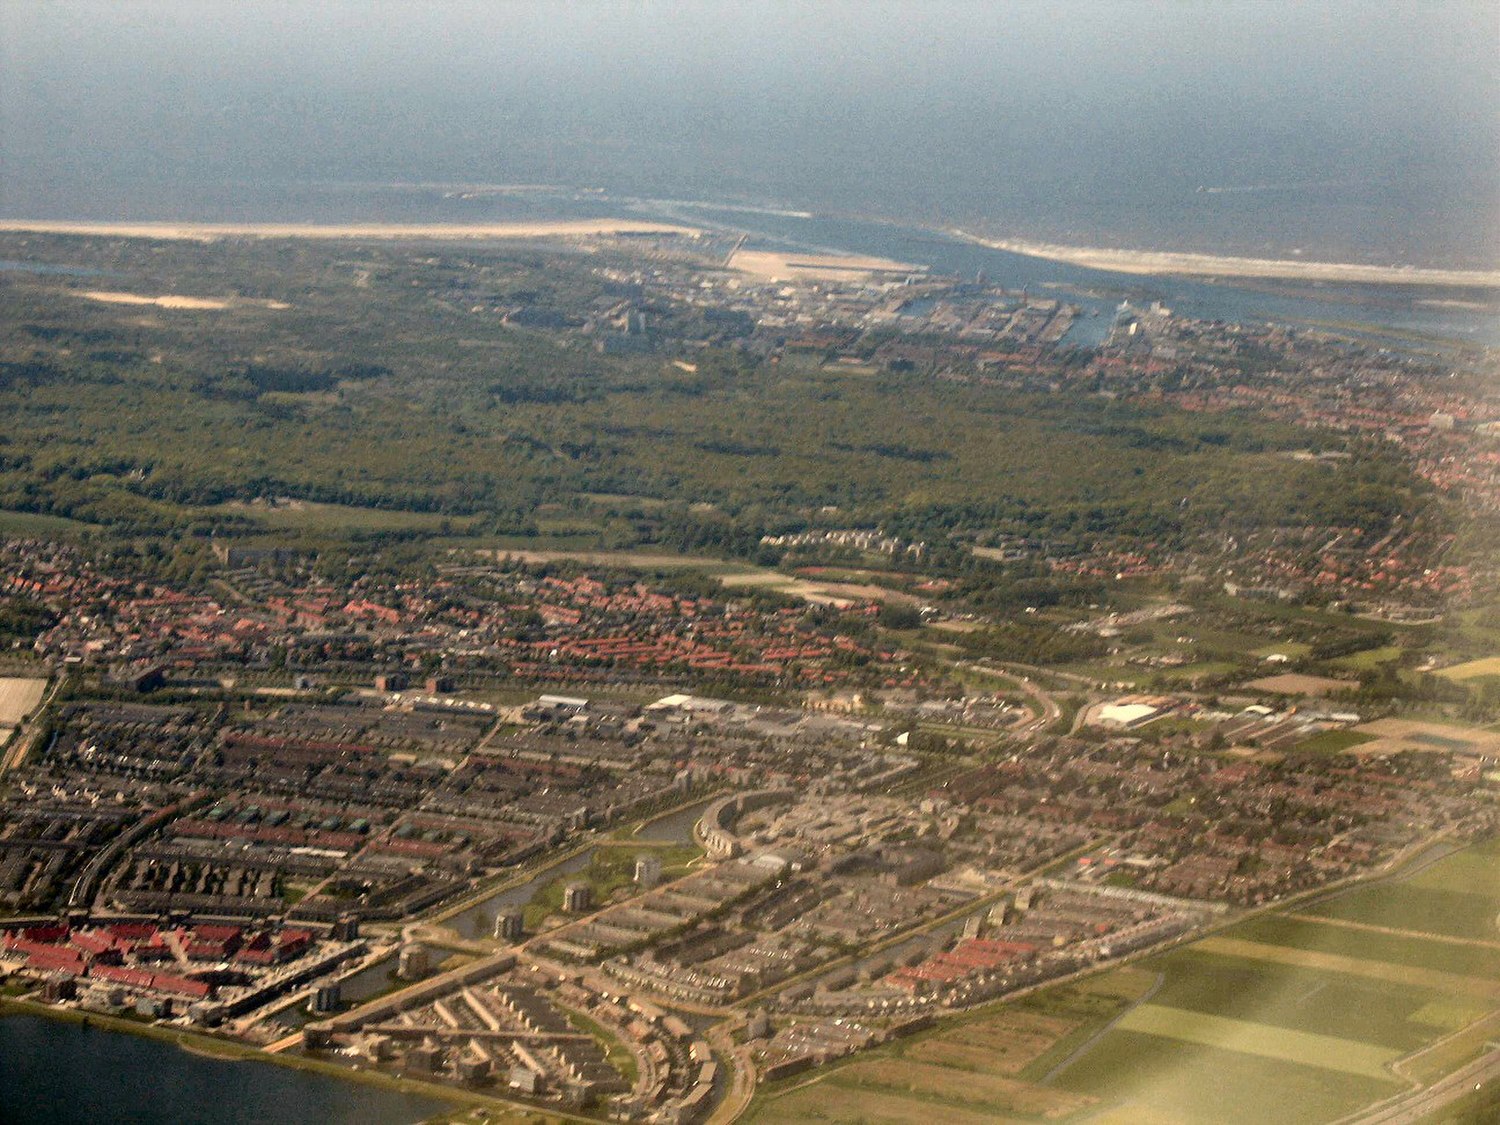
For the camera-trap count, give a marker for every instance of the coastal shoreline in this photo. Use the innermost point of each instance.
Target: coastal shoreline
(1159, 262)
(210, 232)
(1142, 263)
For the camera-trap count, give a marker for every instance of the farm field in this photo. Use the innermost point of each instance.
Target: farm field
(1395, 735)
(1333, 742)
(928, 1091)
(1300, 1016)
(1369, 658)
(1414, 908)
(30, 523)
(17, 698)
(1306, 1015)
(1149, 1079)
(1295, 683)
(1259, 1039)
(1473, 669)
(311, 516)
(986, 1066)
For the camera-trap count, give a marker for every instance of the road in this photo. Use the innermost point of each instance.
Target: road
(1417, 1106)
(1051, 709)
(742, 1074)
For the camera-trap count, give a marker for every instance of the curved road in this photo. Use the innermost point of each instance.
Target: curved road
(1419, 1105)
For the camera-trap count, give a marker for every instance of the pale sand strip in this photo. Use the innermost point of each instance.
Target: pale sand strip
(167, 301)
(208, 232)
(1168, 262)
(776, 265)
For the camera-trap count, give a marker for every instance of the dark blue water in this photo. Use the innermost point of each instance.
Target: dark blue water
(57, 1073)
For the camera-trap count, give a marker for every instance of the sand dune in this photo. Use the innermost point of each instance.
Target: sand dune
(208, 232)
(1169, 262)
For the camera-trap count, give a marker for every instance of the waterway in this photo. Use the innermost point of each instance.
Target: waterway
(478, 920)
(54, 1072)
(1456, 315)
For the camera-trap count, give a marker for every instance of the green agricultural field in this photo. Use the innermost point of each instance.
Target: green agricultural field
(1196, 671)
(1327, 936)
(1475, 872)
(1369, 658)
(1333, 742)
(1153, 1078)
(983, 1066)
(1425, 910)
(340, 519)
(932, 1092)
(1296, 998)
(29, 523)
(1300, 1016)
(1263, 1040)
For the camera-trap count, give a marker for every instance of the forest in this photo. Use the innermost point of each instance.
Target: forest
(392, 378)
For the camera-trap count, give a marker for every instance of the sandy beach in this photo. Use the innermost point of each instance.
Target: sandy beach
(209, 232)
(1148, 262)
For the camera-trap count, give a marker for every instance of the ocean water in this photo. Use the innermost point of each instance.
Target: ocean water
(1348, 130)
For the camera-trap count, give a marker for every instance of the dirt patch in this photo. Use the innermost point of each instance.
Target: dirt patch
(18, 697)
(1295, 683)
(1394, 735)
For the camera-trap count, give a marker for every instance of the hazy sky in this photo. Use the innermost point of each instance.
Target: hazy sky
(983, 108)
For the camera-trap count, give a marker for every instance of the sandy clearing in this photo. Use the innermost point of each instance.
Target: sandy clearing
(208, 232)
(1170, 262)
(1296, 683)
(771, 265)
(18, 697)
(166, 301)
(1395, 735)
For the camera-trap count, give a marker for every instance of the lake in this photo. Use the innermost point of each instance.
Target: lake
(54, 1072)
